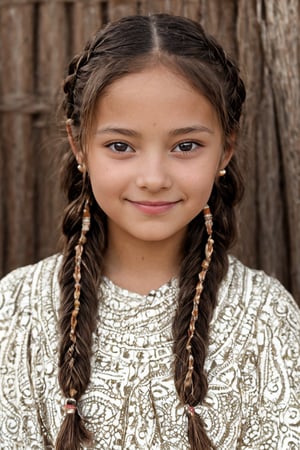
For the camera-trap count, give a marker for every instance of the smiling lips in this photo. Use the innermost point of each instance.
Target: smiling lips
(153, 207)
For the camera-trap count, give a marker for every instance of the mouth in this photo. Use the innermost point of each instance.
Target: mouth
(149, 207)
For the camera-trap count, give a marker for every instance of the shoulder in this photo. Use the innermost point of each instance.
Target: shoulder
(260, 321)
(256, 292)
(20, 288)
(253, 360)
(48, 265)
(253, 306)
(29, 298)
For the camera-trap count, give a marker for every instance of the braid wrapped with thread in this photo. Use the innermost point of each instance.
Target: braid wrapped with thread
(125, 47)
(188, 382)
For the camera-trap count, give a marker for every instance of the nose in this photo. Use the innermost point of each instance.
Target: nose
(153, 174)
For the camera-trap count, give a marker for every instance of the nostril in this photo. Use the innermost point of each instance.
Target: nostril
(153, 182)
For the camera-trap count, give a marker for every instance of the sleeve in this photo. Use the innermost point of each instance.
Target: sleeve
(19, 422)
(272, 375)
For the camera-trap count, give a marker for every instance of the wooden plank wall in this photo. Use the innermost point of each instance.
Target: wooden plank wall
(38, 37)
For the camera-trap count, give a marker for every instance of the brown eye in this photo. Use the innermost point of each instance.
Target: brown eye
(187, 146)
(120, 147)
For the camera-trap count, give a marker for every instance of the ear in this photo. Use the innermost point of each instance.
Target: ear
(77, 153)
(226, 157)
(228, 152)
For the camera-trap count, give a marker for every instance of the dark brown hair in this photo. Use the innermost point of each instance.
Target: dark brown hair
(125, 47)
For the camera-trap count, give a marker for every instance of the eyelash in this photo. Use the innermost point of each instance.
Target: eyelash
(112, 144)
(194, 144)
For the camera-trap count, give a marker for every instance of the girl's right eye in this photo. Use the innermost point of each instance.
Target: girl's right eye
(120, 147)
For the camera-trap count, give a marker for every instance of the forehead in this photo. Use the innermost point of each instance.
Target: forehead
(151, 80)
(155, 95)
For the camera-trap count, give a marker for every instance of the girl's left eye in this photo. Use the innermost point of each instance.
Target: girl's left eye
(120, 147)
(187, 146)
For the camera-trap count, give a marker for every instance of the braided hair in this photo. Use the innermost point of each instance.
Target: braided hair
(121, 48)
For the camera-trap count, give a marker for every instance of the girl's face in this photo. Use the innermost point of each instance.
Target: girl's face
(154, 155)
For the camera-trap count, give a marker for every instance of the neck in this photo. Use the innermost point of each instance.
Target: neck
(140, 266)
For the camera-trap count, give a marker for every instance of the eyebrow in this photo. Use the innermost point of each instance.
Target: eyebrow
(116, 130)
(175, 132)
(192, 129)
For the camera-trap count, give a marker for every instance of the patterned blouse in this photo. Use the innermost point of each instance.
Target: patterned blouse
(253, 365)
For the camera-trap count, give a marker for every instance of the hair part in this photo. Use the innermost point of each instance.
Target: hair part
(128, 46)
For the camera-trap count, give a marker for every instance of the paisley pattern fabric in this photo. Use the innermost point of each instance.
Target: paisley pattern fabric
(253, 366)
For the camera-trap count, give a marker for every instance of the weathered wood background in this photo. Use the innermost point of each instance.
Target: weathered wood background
(38, 37)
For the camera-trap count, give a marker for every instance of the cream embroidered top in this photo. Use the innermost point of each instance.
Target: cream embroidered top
(253, 366)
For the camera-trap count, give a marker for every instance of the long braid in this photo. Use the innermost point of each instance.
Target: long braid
(79, 279)
(79, 275)
(71, 380)
(192, 385)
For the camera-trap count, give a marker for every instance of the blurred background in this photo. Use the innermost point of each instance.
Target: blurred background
(38, 38)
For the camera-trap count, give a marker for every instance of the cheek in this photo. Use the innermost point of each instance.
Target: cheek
(198, 183)
(107, 185)
(101, 184)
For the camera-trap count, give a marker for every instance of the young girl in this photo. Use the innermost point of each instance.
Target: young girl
(145, 334)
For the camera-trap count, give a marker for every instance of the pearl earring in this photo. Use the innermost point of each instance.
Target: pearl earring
(222, 172)
(81, 167)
